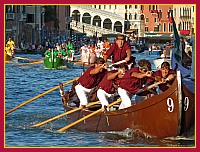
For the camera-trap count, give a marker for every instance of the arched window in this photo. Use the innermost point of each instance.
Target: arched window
(135, 16)
(164, 27)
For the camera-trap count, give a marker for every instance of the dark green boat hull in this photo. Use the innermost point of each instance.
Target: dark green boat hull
(53, 64)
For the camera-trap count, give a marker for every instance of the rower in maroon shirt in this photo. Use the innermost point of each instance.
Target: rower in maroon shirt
(133, 80)
(89, 80)
(119, 50)
(107, 86)
(165, 75)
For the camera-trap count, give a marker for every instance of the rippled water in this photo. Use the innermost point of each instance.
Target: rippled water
(25, 82)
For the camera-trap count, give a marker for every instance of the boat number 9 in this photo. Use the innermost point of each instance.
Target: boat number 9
(170, 104)
(186, 103)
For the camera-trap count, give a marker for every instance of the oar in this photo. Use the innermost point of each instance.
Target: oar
(86, 117)
(147, 88)
(63, 114)
(21, 58)
(38, 96)
(116, 63)
(32, 62)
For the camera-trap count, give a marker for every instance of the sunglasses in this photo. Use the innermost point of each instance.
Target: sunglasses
(144, 69)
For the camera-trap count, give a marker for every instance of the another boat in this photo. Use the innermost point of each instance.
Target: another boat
(53, 62)
(7, 57)
(156, 52)
(159, 116)
(136, 49)
(157, 62)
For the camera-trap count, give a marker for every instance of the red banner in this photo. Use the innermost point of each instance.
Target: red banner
(184, 31)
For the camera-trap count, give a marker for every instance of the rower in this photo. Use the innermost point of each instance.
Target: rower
(119, 50)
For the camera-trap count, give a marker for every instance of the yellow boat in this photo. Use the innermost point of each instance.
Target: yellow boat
(7, 57)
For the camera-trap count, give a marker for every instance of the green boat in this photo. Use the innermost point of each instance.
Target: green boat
(53, 62)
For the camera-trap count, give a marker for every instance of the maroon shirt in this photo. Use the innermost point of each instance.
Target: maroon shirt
(118, 54)
(132, 84)
(107, 85)
(90, 81)
(164, 86)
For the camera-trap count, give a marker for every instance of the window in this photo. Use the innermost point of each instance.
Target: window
(130, 6)
(30, 18)
(146, 29)
(149, 7)
(99, 6)
(109, 6)
(135, 6)
(94, 6)
(142, 7)
(164, 27)
(147, 20)
(125, 16)
(155, 20)
(115, 6)
(125, 6)
(174, 12)
(130, 17)
(156, 29)
(135, 16)
(104, 6)
(169, 27)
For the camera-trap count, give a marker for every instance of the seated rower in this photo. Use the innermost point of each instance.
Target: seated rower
(132, 81)
(89, 80)
(107, 87)
(165, 75)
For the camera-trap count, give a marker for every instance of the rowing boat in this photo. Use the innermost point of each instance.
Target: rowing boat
(53, 62)
(159, 116)
(7, 57)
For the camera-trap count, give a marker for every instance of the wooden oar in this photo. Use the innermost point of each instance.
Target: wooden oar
(21, 58)
(86, 117)
(32, 62)
(116, 63)
(147, 88)
(63, 114)
(38, 96)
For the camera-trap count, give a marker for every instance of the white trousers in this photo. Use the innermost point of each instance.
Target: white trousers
(126, 98)
(82, 94)
(104, 97)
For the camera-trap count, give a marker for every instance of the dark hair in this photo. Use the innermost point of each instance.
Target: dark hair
(166, 65)
(99, 60)
(120, 37)
(123, 66)
(144, 62)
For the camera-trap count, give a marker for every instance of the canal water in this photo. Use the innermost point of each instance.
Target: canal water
(23, 82)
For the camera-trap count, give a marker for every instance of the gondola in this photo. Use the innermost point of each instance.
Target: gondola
(159, 116)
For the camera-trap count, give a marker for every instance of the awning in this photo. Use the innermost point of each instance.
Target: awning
(159, 36)
(184, 32)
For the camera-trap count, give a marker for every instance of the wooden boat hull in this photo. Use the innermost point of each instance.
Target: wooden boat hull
(188, 97)
(158, 116)
(188, 110)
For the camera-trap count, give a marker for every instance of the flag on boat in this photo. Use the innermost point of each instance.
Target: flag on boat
(177, 51)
